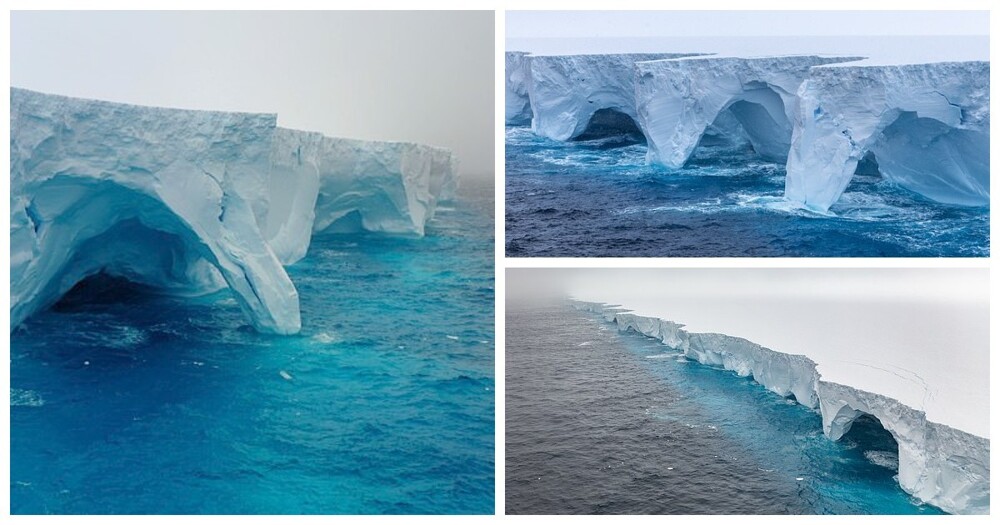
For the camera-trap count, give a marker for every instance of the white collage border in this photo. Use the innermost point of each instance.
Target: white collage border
(502, 262)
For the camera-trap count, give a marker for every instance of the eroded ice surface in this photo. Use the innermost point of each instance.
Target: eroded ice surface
(566, 91)
(188, 202)
(928, 126)
(678, 100)
(919, 107)
(910, 348)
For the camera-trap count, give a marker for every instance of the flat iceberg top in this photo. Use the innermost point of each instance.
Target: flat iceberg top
(880, 50)
(29, 96)
(630, 56)
(918, 336)
(762, 61)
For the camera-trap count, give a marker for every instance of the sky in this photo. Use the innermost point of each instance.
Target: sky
(422, 77)
(885, 37)
(614, 24)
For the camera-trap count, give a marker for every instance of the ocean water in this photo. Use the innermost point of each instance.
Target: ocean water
(123, 402)
(604, 422)
(598, 198)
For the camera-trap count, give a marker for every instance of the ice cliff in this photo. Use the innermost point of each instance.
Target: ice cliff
(928, 126)
(925, 125)
(518, 108)
(678, 100)
(565, 91)
(938, 464)
(321, 184)
(188, 202)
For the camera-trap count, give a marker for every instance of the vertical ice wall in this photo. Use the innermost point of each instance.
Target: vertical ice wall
(927, 125)
(518, 108)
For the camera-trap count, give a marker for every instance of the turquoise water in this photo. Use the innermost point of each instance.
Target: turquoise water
(617, 423)
(133, 403)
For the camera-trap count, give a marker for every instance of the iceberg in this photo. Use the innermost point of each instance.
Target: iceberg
(938, 464)
(566, 91)
(189, 202)
(321, 184)
(927, 125)
(924, 125)
(679, 100)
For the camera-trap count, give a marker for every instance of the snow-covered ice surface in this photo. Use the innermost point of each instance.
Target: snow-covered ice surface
(879, 49)
(910, 347)
(188, 202)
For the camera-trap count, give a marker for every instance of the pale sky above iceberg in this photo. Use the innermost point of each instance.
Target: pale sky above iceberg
(618, 24)
(885, 37)
(411, 76)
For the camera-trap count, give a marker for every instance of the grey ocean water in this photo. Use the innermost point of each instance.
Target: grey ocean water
(601, 422)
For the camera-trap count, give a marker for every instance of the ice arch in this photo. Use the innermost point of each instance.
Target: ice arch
(318, 181)
(927, 125)
(937, 463)
(164, 197)
(609, 122)
(566, 90)
(679, 100)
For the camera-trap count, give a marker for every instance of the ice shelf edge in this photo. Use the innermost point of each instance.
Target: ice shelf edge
(938, 464)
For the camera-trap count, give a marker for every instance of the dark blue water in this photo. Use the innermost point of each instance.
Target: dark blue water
(158, 405)
(598, 198)
(602, 422)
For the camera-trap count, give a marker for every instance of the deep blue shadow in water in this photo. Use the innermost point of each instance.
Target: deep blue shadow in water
(383, 404)
(598, 198)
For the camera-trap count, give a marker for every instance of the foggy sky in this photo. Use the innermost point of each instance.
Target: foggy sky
(613, 24)
(409, 76)
(943, 286)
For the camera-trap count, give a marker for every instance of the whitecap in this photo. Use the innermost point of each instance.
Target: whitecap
(125, 337)
(25, 398)
(326, 338)
(883, 458)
